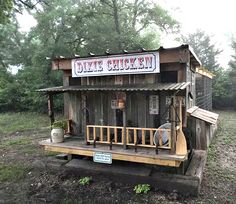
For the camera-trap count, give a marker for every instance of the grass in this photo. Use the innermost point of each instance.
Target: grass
(226, 135)
(15, 122)
(30, 149)
(51, 154)
(11, 143)
(12, 172)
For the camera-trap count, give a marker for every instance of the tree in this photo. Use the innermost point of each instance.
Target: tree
(8, 8)
(66, 27)
(204, 48)
(232, 74)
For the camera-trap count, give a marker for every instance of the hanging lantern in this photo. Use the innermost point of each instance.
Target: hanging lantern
(121, 104)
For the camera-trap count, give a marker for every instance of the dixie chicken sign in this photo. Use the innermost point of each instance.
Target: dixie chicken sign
(140, 63)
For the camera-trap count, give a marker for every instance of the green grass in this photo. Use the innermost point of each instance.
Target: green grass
(226, 135)
(9, 143)
(51, 154)
(12, 172)
(227, 128)
(15, 122)
(30, 149)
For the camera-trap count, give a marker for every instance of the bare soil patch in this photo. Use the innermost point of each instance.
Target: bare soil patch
(28, 174)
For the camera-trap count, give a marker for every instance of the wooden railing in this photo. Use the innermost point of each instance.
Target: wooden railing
(135, 136)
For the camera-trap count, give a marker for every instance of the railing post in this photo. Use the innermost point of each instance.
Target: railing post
(108, 135)
(101, 134)
(151, 137)
(87, 132)
(143, 137)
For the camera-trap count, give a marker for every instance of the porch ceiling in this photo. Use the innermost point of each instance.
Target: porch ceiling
(133, 87)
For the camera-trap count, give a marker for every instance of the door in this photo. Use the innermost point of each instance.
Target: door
(119, 122)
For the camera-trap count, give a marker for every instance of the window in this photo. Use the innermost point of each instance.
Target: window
(169, 77)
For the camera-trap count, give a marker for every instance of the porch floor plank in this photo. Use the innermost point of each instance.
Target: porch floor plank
(143, 155)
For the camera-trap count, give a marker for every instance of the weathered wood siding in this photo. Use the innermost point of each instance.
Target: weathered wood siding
(175, 64)
(203, 92)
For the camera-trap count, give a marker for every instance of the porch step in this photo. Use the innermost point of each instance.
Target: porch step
(125, 169)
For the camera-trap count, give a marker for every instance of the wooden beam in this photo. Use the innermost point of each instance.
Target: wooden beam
(178, 55)
(151, 137)
(108, 135)
(117, 156)
(101, 134)
(51, 111)
(84, 115)
(143, 137)
(124, 129)
(115, 134)
(173, 121)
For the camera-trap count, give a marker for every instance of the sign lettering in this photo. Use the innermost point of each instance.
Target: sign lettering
(140, 63)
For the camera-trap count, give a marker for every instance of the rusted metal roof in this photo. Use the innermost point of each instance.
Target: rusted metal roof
(140, 87)
(194, 57)
(204, 115)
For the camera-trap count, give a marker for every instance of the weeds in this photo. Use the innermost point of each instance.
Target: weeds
(142, 188)
(12, 172)
(85, 181)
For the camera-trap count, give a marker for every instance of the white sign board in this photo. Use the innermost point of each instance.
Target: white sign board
(102, 157)
(138, 63)
(153, 104)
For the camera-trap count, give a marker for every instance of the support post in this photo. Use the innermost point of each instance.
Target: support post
(173, 132)
(51, 111)
(124, 128)
(84, 124)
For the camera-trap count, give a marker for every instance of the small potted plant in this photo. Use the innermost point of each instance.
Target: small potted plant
(58, 130)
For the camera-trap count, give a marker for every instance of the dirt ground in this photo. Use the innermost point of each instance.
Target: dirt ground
(25, 176)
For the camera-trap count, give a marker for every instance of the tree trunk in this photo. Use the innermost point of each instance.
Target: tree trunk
(117, 24)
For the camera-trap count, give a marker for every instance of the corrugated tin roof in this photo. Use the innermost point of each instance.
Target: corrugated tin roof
(133, 87)
(194, 57)
(204, 115)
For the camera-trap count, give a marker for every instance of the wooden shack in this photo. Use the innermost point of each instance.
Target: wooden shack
(116, 103)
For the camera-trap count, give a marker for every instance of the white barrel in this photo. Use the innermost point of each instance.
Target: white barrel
(57, 135)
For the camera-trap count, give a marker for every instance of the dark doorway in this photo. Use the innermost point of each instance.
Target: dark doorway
(169, 76)
(119, 122)
(119, 117)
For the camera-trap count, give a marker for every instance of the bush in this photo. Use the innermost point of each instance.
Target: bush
(59, 124)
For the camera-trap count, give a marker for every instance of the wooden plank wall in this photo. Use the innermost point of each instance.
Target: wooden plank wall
(99, 103)
(203, 92)
(75, 112)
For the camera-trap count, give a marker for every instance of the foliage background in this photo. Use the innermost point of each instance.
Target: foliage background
(68, 27)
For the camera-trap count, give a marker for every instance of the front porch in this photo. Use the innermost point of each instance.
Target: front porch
(77, 146)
